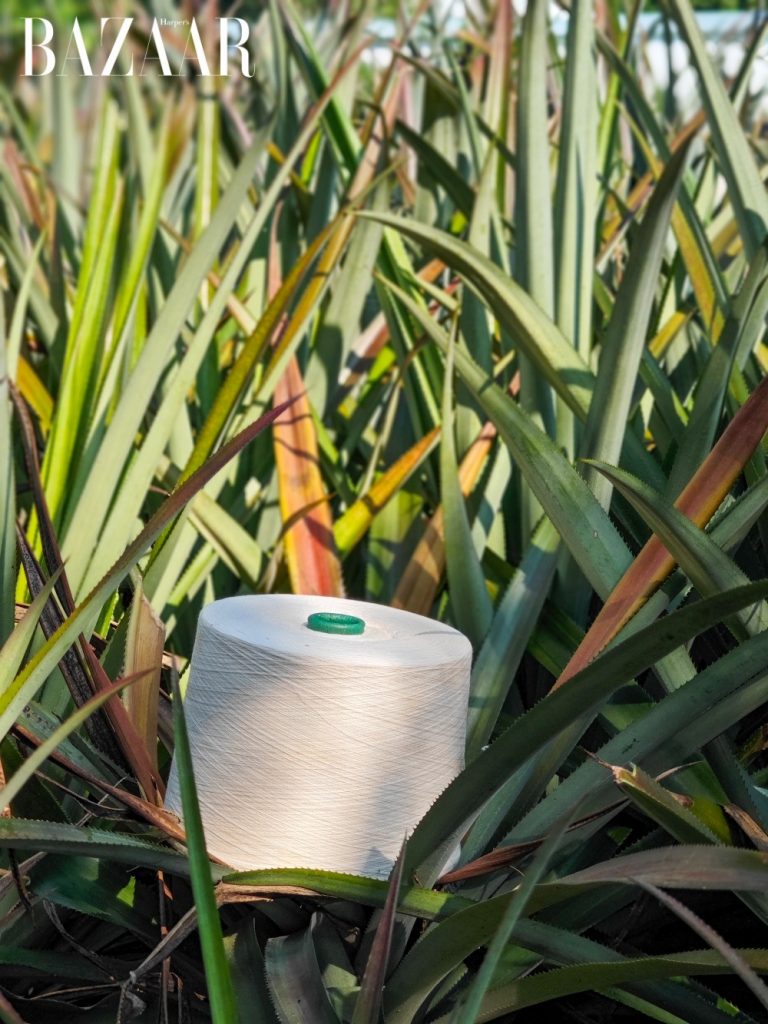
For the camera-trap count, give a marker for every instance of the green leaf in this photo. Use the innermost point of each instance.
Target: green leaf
(7, 495)
(13, 787)
(16, 646)
(37, 670)
(434, 163)
(739, 335)
(221, 993)
(368, 1003)
(534, 200)
(586, 977)
(295, 981)
(495, 666)
(660, 805)
(92, 503)
(533, 332)
(533, 731)
(470, 603)
(470, 1007)
(666, 735)
(56, 837)
(732, 957)
(707, 566)
(33, 962)
(745, 187)
(675, 867)
(526, 323)
(587, 531)
(84, 350)
(414, 899)
(246, 965)
(89, 885)
(533, 222)
(626, 333)
(340, 980)
(576, 192)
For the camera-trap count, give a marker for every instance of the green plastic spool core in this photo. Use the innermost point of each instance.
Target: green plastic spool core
(334, 622)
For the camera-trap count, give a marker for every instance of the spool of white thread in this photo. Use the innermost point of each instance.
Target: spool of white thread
(312, 749)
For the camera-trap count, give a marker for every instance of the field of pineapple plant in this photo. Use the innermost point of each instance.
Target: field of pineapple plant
(471, 323)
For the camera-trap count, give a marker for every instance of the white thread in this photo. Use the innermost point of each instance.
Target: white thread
(319, 750)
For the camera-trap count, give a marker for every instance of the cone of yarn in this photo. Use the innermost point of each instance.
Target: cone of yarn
(321, 729)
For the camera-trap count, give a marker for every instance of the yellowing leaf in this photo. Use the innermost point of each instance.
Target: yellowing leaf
(34, 393)
(351, 527)
(144, 654)
(418, 584)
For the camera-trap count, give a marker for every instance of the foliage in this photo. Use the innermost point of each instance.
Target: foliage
(516, 312)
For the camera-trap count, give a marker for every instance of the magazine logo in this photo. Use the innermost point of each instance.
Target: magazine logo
(73, 58)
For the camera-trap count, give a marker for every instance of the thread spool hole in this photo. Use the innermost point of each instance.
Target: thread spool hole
(336, 622)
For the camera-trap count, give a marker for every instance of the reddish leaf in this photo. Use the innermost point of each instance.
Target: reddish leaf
(310, 549)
